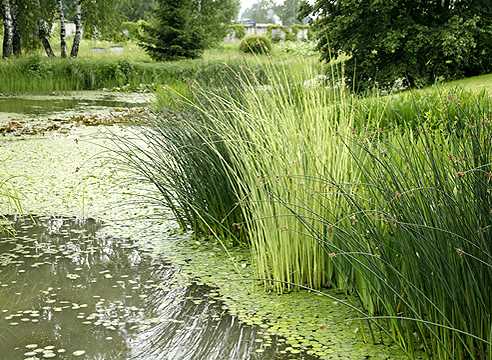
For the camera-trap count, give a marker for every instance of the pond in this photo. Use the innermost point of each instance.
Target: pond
(35, 107)
(130, 285)
(70, 290)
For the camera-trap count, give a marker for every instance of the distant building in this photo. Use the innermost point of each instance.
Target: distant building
(70, 29)
(256, 29)
(253, 28)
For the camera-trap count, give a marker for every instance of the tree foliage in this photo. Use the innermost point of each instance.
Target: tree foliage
(266, 11)
(174, 35)
(134, 10)
(289, 12)
(184, 28)
(418, 41)
(214, 18)
(261, 11)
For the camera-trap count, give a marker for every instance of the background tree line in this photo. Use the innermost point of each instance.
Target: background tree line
(412, 41)
(266, 11)
(27, 24)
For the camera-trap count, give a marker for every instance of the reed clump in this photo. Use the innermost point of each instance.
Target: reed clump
(387, 198)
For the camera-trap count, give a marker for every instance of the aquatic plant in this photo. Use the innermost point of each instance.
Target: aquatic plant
(386, 198)
(10, 200)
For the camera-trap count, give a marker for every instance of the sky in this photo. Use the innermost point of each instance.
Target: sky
(247, 3)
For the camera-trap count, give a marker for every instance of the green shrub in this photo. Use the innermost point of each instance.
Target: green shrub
(255, 44)
(238, 29)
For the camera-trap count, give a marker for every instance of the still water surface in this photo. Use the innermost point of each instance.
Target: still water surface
(68, 290)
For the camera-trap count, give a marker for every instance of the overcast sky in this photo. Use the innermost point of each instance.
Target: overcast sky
(247, 3)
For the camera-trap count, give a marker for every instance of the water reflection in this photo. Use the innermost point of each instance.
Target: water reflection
(44, 106)
(69, 291)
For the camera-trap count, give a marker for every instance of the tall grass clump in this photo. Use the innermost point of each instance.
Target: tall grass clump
(41, 75)
(417, 241)
(387, 198)
(183, 155)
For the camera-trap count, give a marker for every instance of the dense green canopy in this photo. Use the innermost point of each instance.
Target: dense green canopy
(415, 41)
(184, 28)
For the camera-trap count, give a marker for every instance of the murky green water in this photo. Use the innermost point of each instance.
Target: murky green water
(70, 290)
(43, 105)
(100, 290)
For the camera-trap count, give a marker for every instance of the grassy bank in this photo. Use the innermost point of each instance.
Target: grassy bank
(384, 198)
(40, 75)
(129, 70)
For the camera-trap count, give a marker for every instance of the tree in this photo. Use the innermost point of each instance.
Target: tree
(8, 30)
(417, 41)
(289, 12)
(214, 17)
(78, 29)
(174, 34)
(25, 20)
(63, 32)
(261, 12)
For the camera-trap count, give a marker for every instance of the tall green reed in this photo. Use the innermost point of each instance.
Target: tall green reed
(387, 198)
(415, 244)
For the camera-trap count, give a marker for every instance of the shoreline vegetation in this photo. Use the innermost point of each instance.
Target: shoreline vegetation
(134, 71)
(308, 181)
(41, 75)
(384, 198)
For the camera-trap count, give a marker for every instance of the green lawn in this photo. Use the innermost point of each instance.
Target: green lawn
(482, 82)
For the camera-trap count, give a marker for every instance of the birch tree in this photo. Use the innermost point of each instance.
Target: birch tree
(78, 29)
(63, 32)
(8, 30)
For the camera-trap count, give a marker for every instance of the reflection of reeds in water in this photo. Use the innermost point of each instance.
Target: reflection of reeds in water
(188, 328)
(81, 291)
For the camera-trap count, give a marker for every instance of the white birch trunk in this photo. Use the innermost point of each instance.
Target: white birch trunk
(78, 30)
(63, 31)
(8, 29)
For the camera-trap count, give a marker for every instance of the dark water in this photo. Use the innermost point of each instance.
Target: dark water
(33, 106)
(68, 290)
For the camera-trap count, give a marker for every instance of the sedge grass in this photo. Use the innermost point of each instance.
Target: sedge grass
(386, 198)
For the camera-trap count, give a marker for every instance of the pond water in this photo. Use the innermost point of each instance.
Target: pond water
(120, 288)
(35, 107)
(40, 106)
(68, 290)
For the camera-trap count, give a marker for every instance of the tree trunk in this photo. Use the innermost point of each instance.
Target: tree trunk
(78, 30)
(16, 37)
(8, 31)
(43, 33)
(63, 32)
(44, 36)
